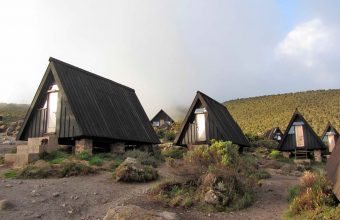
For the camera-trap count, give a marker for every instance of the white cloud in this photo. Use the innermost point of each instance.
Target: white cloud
(306, 43)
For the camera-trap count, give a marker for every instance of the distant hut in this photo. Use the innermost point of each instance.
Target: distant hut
(162, 119)
(208, 119)
(332, 169)
(75, 107)
(300, 139)
(273, 134)
(330, 137)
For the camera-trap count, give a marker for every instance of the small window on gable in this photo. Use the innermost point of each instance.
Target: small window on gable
(155, 123)
(292, 130)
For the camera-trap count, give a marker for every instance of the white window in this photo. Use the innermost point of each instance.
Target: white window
(155, 123)
(291, 130)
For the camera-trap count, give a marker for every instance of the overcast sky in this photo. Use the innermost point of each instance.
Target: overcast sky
(167, 50)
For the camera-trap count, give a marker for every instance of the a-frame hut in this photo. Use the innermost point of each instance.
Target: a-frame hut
(208, 119)
(300, 139)
(79, 108)
(332, 169)
(330, 137)
(161, 119)
(274, 134)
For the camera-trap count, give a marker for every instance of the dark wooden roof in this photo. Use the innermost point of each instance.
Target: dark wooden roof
(220, 117)
(162, 115)
(311, 139)
(101, 107)
(271, 133)
(329, 128)
(332, 169)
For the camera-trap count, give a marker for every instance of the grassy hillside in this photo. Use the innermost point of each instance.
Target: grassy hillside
(258, 114)
(13, 112)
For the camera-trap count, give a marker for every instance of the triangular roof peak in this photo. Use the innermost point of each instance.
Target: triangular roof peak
(308, 127)
(54, 60)
(219, 116)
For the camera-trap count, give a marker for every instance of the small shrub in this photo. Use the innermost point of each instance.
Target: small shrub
(275, 154)
(313, 193)
(2, 160)
(127, 173)
(75, 169)
(175, 153)
(33, 172)
(84, 155)
(246, 200)
(308, 179)
(144, 157)
(10, 174)
(260, 174)
(268, 144)
(96, 160)
(170, 135)
(293, 192)
(55, 157)
(217, 171)
(106, 156)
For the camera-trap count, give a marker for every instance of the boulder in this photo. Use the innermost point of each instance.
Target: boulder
(211, 198)
(131, 170)
(131, 212)
(5, 205)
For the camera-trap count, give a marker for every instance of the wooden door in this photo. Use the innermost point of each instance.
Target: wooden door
(200, 125)
(300, 141)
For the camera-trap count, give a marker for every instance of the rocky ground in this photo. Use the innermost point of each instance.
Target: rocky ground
(90, 197)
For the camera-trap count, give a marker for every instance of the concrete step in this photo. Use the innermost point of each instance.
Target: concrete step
(23, 159)
(26, 149)
(37, 141)
(19, 160)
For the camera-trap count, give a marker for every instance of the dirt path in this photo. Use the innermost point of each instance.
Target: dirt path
(270, 204)
(86, 197)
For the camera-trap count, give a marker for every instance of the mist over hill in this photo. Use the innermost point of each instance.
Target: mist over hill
(13, 112)
(258, 114)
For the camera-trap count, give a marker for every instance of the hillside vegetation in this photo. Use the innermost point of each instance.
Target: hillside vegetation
(258, 114)
(13, 112)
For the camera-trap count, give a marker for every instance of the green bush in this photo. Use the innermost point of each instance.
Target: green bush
(10, 174)
(75, 169)
(217, 169)
(170, 135)
(293, 192)
(175, 153)
(33, 172)
(84, 155)
(96, 160)
(313, 193)
(55, 157)
(275, 154)
(126, 173)
(269, 144)
(144, 157)
(2, 160)
(260, 174)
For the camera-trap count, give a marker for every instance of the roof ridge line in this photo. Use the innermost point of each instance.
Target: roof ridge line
(52, 59)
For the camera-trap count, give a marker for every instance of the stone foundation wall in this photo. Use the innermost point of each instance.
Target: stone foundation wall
(83, 145)
(317, 155)
(286, 154)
